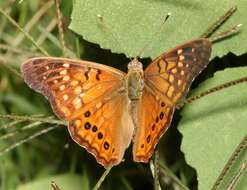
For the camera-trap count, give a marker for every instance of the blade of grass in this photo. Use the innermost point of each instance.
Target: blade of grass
(126, 183)
(55, 41)
(7, 8)
(73, 162)
(12, 124)
(2, 174)
(230, 163)
(13, 49)
(236, 178)
(24, 140)
(168, 172)
(9, 125)
(31, 23)
(32, 118)
(10, 68)
(11, 134)
(43, 35)
(60, 26)
(27, 35)
(78, 48)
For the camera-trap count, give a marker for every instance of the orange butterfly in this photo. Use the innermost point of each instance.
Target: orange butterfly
(107, 108)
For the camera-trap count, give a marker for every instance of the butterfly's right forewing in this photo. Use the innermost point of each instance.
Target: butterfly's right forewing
(172, 73)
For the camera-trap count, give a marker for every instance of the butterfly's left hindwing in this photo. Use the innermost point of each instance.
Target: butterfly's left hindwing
(167, 80)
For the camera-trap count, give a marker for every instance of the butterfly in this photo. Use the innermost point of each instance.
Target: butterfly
(106, 108)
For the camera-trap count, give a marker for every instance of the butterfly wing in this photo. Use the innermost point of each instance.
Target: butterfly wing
(167, 80)
(107, 132)
(155, 117)
(91, 97)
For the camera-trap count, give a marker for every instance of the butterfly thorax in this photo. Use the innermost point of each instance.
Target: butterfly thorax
(134, 80)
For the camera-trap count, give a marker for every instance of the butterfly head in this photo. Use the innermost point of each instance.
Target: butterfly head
(135, 65)
(135, 80)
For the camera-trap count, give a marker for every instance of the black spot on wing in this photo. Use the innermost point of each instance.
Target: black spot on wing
(98, 74)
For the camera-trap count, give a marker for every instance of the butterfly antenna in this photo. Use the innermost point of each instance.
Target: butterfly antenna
(151, 39)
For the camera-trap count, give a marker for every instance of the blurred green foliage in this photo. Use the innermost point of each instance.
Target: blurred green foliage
(54, 156)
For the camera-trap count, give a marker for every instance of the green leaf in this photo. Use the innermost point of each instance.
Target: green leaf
(64, 182)
(125, 26)
(212, 127)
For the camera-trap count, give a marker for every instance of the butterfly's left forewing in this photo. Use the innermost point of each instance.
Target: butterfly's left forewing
(167, 80)
(64, 80)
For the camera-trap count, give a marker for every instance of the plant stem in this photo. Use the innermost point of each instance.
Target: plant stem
(9, 148)
(169, 173)
(156, 171)
(230, 163)
(60, 26)
(237, 176)
(102, 178)
(28, 118)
